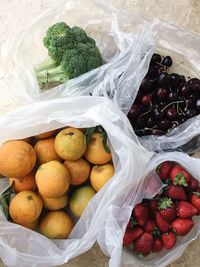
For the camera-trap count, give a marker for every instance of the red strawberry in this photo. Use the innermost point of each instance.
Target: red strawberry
(131, 235)
(193, 184)
(195, 200)
(141, 214)
(182, 226)
(144, 244)
(150, 226)
(153, 205)
(167, 209)
(163, 170)
(161, 223)
(179, 176)
(169, 240)
(157, 245)
(186, 210)
(176, 192)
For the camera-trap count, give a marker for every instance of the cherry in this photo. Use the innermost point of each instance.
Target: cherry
(150, 122)
(146, 100)
(172, 96)
(141, 122)
(198, 105)
(175, 80)
(172, 113)
(193, 81)
(163, 79)
(156, 58)
(162, 93)
(146, 85)
(191, 101)
(158, 115)
(167, 61)
(186, 90)
(165, 124)
(190, 113)
(135, 111)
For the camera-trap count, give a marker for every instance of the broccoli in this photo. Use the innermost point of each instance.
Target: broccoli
(71, 53)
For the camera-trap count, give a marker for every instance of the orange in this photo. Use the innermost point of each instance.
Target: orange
(70, 144)
(80, 199)
(24, 183)
(25, 207)
(52, 179)
(100, 175)
(96, 152)
(56, 225)
(31, 225)
(45, 151)
(79, 170)
(55, 203)
(17, 159)
(45, 135)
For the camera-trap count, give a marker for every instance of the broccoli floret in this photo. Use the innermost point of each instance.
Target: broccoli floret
(58, 38)
(71, 53)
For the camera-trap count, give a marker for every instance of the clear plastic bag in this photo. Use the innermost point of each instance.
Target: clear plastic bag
(119, 36)
(110, 237)
(22, 247)
(183, 47)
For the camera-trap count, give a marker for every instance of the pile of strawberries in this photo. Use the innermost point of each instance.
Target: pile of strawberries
(156, 223)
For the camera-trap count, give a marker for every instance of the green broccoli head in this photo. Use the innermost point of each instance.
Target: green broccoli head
(91, 55)
(73, 64)
(80, 35)
(58, 39)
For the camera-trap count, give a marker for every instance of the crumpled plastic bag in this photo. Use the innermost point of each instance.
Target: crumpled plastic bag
(121, 37)
(110, 237)
(22, 247)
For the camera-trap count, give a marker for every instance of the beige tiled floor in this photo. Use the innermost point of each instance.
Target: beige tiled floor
(15, 14)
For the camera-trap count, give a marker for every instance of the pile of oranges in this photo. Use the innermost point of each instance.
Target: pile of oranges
(54, 175)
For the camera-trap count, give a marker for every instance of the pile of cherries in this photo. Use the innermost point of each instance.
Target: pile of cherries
(164, 100)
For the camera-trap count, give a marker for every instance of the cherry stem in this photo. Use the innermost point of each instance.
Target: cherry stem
(181, 101)
(145, 113)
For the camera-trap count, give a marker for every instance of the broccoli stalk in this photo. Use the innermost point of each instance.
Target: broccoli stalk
(52, 75)
(46, 65)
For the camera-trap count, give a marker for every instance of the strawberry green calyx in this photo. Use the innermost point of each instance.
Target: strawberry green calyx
(165, 203)
(158, 169)
(156, 232)
(133, 222)
(196, 194)
(180, 180)
(167, 181)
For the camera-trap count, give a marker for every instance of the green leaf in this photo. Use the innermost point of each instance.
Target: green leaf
(89, 132)
(105, 138)
(5, 201)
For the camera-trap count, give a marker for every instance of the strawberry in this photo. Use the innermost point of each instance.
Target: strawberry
(169, 240)
(144, 244)
(161, 223)
(186, 210)
(193, 184)
(195, 200)
(176, 192)
(182, 226)
(163, 170)
(153, 205)
(167, 209)
(179, 176)
(150, 226)
(141, 214)
(131, 224)
(131, 235)
(157, 245)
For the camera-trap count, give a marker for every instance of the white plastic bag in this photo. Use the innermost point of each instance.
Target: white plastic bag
(110, 238)
(183, 47)
(119, 36)
(22, 247)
